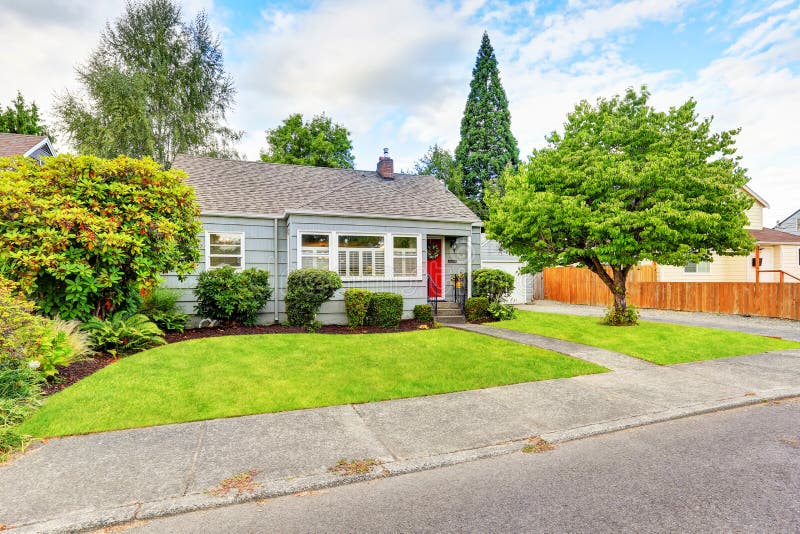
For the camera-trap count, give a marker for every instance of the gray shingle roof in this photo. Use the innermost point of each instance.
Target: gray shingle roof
(18, 144)
(254, 187)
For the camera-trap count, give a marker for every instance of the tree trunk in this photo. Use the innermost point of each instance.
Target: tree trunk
(616, 282)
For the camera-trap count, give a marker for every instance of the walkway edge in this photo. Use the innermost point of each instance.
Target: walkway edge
(97, 519)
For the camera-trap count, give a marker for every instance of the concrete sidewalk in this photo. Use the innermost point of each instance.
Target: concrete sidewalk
(101, 479)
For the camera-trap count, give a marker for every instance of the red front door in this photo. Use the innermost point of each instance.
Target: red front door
(435, 263)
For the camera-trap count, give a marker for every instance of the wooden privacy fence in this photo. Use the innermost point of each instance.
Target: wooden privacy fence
(581, 286)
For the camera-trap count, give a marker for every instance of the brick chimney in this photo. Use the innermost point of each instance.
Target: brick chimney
(386, 166)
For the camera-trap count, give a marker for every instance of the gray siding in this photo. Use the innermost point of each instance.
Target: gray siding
(259, 253)
(260, 250)
(413, 291)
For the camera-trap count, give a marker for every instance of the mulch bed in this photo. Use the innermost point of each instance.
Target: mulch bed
(238, 330)
(79, 370)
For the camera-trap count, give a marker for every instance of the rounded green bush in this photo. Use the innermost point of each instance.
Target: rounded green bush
(386, 309)
(493, 284)
(356, 305)
(423, 313)
(306, 290)
(477, 309)
(227, 295)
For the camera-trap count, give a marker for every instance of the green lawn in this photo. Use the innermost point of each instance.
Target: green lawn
(659, 343)
(240, 375)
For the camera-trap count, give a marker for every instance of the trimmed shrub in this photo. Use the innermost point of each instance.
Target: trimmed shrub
(423, 313)
(356, 305)
(227, 295)
(306, 290)
(493, 284)
(501, 312)
(630, 317)
(122, 333)
(477, 309)
(161, 307)
(386, 309)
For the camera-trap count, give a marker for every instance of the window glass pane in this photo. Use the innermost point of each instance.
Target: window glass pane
(225, 239)
(229, 250)
(315, 240)
(405, 242)
(219, 261)
(360, 241)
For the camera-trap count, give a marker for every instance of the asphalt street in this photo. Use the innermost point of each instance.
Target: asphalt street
(731, 471)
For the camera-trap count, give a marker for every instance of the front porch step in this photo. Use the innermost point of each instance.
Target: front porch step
(445, 305)
(451, 319)
(449, 312)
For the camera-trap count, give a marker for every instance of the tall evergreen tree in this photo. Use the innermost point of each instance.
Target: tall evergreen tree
(487, 145)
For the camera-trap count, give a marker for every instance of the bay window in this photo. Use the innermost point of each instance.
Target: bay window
(355, 255)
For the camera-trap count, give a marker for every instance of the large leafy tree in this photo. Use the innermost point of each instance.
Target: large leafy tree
(625, 183)
(85, 236)
(155, 86)
(487, 145)
(319, 142)
(20, 118)
(440, 163)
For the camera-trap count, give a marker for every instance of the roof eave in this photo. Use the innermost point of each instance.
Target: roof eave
(756, 196)
(40, 144)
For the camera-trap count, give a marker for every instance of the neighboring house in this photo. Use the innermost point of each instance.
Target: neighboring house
(494, 257)
(790, 224)
(379, 230)
(34, 146)
(777, 251)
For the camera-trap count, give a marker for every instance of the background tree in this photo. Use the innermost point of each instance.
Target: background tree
(440, 163)
(20, 118)
(623, 184)
(85, 236)
(487, 145)
(155, 86)
(319, 143)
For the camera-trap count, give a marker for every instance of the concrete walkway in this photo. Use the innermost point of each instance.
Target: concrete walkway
(764, 326)
(608, 359)
(97, 480)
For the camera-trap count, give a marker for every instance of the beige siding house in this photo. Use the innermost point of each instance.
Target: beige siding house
(778, 251)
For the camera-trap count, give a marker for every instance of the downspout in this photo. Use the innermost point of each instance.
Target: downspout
(275, 269)
(469, 264)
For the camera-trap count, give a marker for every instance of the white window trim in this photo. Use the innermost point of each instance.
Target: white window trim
(208, 249)
(388, 254)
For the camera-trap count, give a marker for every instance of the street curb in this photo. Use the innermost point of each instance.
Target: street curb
(87, 520)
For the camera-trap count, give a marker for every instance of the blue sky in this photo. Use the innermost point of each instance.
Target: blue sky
(396, 73)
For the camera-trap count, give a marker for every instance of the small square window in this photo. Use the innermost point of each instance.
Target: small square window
(701, 267)
(315, 251)
(225, 248)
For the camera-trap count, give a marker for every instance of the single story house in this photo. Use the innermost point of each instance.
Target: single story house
(33, 146)
(379, 230)
(777, 251)
(790, 224)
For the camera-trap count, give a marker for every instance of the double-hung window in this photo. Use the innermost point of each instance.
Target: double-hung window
(315, 251)
(224, 248)
(361, 255)
(405, 252)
